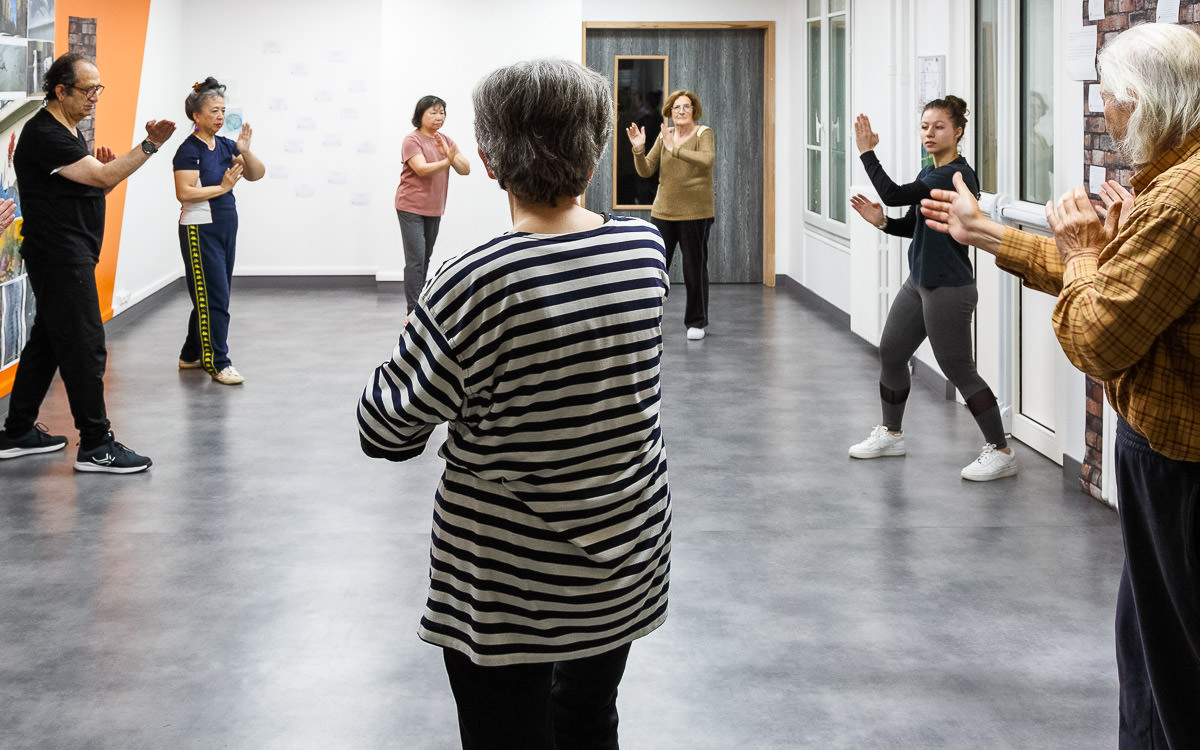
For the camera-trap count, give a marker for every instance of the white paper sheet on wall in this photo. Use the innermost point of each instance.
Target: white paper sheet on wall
(1096, 178)
(1095, 10)
(1167, 12)
(1081, 54)
(1095, 101)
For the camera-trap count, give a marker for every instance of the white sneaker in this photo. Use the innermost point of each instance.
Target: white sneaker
(991, 464)
(695, 334)
(880, 442)
(229, 376)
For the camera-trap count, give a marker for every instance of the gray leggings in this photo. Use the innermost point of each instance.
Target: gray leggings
(418, 233)
(943, 314)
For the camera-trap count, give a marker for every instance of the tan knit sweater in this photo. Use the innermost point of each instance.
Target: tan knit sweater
(685, 183)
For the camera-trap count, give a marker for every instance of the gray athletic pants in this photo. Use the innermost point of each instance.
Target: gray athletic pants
(943, 314)
(418, 233)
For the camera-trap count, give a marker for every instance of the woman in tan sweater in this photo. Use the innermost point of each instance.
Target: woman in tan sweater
(683, 207)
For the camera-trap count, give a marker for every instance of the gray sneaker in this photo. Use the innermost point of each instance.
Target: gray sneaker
(880, 442)
(37, 440)
(111, 458)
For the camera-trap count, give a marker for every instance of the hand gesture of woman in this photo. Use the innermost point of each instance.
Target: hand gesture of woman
(243, 140)
(872, 212)
(637, 136)
(865, 138)
(668, 137)
(233, 174)
(447, 150)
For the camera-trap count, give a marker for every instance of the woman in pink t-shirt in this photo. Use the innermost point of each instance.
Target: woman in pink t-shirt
(421, 197)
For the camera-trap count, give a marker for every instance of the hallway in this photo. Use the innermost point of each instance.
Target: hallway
(260, 586)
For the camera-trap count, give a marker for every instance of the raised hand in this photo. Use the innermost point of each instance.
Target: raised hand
(1118, 202)
(233, 174)
(104, 154)
(865, 138)
(955, 212)
(668, 136)
(869, 210)
(444, 146)
(243, 140)
(1077, 228)
(159, 131)
(637, 136)
(8, 210)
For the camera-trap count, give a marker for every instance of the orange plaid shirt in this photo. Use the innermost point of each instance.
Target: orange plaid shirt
(1131, 317)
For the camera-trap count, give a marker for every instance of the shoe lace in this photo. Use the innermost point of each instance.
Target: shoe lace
(989, 450)
(878, 431)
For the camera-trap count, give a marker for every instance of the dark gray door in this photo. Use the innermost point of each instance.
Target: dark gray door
(725, 69)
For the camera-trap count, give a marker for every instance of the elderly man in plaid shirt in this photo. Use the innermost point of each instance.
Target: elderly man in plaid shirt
(1128, 313)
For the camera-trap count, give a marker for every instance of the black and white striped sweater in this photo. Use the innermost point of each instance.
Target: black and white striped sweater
(552, 522)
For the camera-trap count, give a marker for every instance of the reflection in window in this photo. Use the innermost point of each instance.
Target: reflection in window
(826, 100)
(985, 92)
(1037, 95)
(640, 85)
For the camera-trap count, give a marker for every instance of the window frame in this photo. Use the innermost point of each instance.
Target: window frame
(824, 218)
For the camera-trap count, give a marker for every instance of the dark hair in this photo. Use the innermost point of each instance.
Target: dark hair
(62, 73)
(697, 110)
(542, 126)
(201, 92)
(424, 103)
(955, 107)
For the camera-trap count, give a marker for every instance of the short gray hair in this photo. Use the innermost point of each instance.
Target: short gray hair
(542, 126)
(1155, 69)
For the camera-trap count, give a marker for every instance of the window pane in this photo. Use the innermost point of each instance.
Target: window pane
(985, 89)
(837, 119)
(814, 180)
(814, 8)
(1037, 95)
(837, 5)
(814, 83)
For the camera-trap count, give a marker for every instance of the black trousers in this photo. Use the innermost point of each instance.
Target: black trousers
(1158, 604)
(67, 337)
(209, 251)
(692, 238)
(566, 705)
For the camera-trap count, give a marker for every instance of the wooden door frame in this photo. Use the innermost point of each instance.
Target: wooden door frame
(768, 99)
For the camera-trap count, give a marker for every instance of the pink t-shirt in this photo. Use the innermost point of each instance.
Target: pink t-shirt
(424, 196)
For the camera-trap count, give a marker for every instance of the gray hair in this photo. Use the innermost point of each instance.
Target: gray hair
(202, 92)
(1154, 69)
(542, 126)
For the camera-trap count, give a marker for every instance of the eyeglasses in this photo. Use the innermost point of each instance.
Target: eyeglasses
(92, 92)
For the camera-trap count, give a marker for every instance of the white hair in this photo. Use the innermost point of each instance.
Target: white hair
(1153, 69)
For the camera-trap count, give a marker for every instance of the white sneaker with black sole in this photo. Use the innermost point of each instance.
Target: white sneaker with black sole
(111, 458)
(991, 464)
(881, 442)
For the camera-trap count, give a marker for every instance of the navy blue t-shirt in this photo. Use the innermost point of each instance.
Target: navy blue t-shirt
(934, 258)
(194, 154)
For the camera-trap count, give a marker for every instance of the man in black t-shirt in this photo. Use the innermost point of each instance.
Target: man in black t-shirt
(62, 201)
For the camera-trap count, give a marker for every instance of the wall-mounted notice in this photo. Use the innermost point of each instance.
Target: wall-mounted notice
(1167, 12)
(1095, 10)
(1081, 54)
(1096, 178)
(931, 79)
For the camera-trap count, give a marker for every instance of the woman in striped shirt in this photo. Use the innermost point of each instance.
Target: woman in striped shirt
(541, 349)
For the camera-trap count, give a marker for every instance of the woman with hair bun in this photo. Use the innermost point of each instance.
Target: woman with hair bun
(936, 300)
(428, 157)
(207, 166)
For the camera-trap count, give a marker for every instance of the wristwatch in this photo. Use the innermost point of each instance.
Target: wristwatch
(148, 148)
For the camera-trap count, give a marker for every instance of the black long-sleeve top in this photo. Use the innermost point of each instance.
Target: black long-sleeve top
(934, 258)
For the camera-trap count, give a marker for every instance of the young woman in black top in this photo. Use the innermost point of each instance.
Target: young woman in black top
(938, 298)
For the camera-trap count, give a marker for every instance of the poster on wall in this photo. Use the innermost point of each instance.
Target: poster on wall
(14, 52)
(26, 52)
(14, 15)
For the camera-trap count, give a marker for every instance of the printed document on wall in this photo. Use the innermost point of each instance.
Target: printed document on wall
(1168, 11)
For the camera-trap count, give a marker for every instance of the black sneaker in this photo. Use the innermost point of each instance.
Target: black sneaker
(111, 457)
(37, 440)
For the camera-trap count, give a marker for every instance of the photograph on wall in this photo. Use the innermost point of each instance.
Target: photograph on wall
(41, 55)
(41, 20)
(13, 52)
(12, 319)
(14, 15)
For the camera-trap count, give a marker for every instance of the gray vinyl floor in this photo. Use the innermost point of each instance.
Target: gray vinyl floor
(260, 587)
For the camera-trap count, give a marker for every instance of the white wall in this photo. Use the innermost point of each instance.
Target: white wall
(149, 257)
